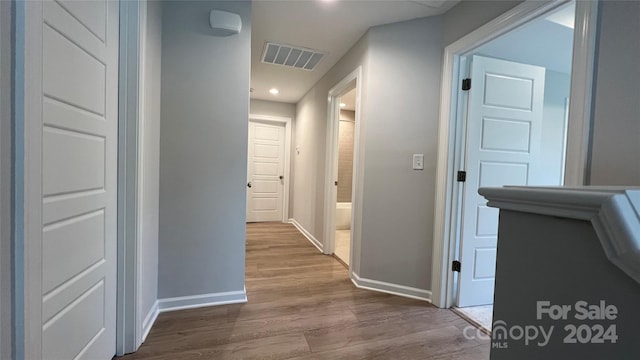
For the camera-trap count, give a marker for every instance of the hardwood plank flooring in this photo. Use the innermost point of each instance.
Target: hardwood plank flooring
(302, 305)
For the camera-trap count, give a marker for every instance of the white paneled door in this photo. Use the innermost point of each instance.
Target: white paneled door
(72, 114)
(265, 172)
(504, 128)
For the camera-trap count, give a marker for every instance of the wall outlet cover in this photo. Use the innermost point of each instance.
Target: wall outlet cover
(418, 161)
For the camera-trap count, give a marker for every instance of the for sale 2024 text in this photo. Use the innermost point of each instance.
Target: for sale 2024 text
(583, 312)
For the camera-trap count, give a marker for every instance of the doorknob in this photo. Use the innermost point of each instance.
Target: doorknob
(249, 184)
(281, 177)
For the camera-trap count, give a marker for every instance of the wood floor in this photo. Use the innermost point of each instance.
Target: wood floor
(302, 305)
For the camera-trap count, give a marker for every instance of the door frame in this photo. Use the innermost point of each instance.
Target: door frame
(130, 331)
(446, 221)
(280, 120)
(331, 169)
(28, 195)
(6, 181)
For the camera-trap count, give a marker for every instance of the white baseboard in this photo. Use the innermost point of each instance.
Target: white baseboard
(149, 320)
(389, 288)
(196, 301)
(307, 234)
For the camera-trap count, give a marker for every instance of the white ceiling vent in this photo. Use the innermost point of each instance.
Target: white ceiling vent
(291, 56)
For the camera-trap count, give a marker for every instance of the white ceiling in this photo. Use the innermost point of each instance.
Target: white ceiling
(566, 16)
(330, 26)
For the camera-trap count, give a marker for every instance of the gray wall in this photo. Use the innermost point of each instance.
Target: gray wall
(203, 150)
(616, 116)
(5, 180)
(560, 260)
(150, 154)
(400, 97)
(273, 108)
(469, 15)
(310, 137)
(403, 95)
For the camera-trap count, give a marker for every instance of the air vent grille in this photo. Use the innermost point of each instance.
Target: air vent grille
(291, 56)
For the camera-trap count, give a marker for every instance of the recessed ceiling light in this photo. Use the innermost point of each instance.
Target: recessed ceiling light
(274, 91)
(343, 105)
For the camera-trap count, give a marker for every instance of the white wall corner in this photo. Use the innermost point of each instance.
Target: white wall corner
(307, 234)
(197, 301)
(389, 288)
(149, 320)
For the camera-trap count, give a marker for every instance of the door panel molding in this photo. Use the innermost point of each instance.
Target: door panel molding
(445, 220)
(80, 298)
(514, 137)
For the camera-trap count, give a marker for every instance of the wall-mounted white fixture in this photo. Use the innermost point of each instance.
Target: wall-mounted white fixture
(418, 161)
(225, 23)
(274, 91)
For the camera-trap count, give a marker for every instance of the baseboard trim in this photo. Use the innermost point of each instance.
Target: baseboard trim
(196, 301)
(149, 320)
(307, 234)
(389, 288)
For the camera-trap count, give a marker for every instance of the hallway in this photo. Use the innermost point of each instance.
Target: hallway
(302, 305)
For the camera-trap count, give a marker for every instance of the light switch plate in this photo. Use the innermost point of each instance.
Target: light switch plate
(418, 161)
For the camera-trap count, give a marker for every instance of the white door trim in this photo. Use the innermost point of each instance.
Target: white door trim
(29, 337)
(578, 161)
(445, 219)
(6, 181)
(129, 324)
(331, 170)
(287, 156)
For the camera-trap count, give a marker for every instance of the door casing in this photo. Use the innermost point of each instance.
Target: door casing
(130, 320)
(6, 181)
(331, 170)
(446, 220)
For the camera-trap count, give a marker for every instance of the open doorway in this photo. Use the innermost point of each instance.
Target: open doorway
(343, 183)
(512, 126)
(344, 196)
(447, 221)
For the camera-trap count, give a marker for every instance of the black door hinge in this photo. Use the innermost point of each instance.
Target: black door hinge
(455, 266)
(462, 176)
(466, 84)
